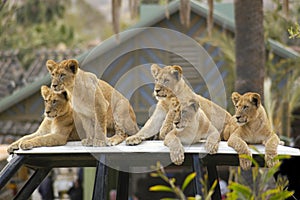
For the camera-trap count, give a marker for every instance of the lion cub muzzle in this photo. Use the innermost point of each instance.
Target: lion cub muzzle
(240, 120)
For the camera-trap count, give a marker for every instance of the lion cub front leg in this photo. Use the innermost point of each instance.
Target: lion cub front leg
(175, 146)
(168, 122)
(124, 122)
(42, 130)
(271, 145)
(45, 140)
(88, 127)
(150, 128)
(101, 108)
(119, 136)
(212, 141)
(15, 145)
(236, 142)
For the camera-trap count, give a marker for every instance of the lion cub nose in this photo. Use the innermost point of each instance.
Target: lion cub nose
(157, 90)
(238, 117)
(47, 111)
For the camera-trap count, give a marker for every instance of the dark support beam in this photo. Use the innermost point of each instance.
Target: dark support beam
(10, 169)
(100, 180)
(197, 167)
(213, 175)
(123, 184)
(32, 183)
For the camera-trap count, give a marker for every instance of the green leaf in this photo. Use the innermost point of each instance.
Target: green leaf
(154, 174)
(187, 180)
(240, 190)
(211, 190)
(160, 188)
(167, 198)
(281, 195)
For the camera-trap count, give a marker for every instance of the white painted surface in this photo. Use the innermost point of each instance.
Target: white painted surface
(148, 147)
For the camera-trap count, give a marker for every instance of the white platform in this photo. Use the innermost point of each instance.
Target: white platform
(148, 147)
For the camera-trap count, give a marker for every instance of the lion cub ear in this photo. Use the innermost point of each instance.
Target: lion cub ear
(155, 70)
(73, 65)
(194, 104)
(45, 91)
(255, 99)
(235, 97)
(51, 65)
(176, 72)
(65, 95)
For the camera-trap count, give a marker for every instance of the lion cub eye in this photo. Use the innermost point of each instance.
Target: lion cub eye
(62, 76)
(245, 107)
(166, 81)
(54, 102)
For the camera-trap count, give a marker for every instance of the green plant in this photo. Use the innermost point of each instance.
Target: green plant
(178, 191)
(294, 31)
(258, 188)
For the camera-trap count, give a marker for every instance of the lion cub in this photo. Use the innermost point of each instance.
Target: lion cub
(190, 126)
(97, 105)
(253, 128)
(56, 128)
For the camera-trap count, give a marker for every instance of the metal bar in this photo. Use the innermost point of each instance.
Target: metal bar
(197, 167)
(10, 169)
(32, 183)
(212, 176)
(123, 184)
(100, 180)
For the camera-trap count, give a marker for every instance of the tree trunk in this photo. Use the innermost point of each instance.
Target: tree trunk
(249, 46)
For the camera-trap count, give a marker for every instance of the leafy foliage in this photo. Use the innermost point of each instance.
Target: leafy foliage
(258, 189)
(178, 191)
(294, 31)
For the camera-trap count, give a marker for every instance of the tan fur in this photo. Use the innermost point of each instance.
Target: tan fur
(190, 126)
(160, 121)
(253, 128)
(98, 106)
(169, 83)
(57, 127)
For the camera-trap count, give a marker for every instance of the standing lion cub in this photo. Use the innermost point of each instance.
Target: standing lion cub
(97, 105)
(57, 127)
(253, 128)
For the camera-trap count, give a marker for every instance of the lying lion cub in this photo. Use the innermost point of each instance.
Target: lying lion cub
(253, 128)
(97, 105)
(190, 126)
(169, 82)
(57, 127)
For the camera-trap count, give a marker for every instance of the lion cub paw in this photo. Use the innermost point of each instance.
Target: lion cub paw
(88, 142)
(245, 163)
(26, 145)
(115, 140)
(11, 148)
(177, 155)
(270, 160)
(99, 143)
(211, 147)
(133, 140)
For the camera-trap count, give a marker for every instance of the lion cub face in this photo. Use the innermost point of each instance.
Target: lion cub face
(185, 114)
(165, 80)
(62, 74)
(246, 106)
(56, 103)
